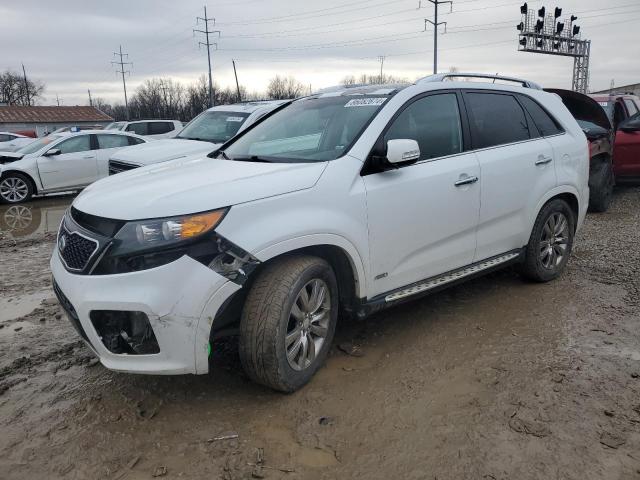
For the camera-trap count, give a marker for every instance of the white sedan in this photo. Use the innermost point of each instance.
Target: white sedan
(10, 142)
(59, 162)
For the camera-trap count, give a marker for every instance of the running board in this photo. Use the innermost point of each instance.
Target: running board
(450, 277)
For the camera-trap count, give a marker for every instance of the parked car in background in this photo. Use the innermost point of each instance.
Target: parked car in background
(623, 110)
(10, 142)
(149, 128)
(337, 203)
(201, 135)
(59, 162)
(77, 128)
(597, 127)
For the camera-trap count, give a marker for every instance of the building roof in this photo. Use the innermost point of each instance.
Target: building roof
(621, 88)
(19, 114)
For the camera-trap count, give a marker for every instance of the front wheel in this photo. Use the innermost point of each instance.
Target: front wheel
(288, 322)
(551, 241)
(15, 188)
(601, 188)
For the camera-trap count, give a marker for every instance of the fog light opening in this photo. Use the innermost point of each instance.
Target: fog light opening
(124, 332)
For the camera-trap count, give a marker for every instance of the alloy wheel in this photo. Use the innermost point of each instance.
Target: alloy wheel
(308, 324)
(554, 241)
(14, 189)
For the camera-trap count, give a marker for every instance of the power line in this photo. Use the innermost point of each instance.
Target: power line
(123, 71)
(208, 44)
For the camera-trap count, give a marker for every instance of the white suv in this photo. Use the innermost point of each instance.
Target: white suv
(149, 128)
(339, 204)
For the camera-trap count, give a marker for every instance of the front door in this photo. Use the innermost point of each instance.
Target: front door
(422, 217)
(75, 165)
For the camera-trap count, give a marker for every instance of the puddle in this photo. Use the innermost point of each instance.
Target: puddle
(15, 307)
(42, 215)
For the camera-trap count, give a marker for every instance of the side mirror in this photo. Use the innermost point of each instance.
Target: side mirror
(631, 126)
(402, 150)
(52, 152)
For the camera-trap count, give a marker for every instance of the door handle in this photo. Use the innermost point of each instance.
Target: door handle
(88, 156)
(542, 160)
(466, 181)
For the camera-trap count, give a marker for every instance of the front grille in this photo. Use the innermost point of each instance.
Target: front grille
(75, 249)
(70, 311)
(116, 167)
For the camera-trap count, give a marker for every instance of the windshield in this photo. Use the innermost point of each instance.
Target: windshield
(38, 144)
(215, 127)
(115, 126)
(309, 130)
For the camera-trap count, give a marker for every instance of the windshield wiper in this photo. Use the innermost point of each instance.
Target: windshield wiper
(197, 139)
(251, 158)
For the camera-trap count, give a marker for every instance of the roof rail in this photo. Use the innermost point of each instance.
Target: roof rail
(440, 77)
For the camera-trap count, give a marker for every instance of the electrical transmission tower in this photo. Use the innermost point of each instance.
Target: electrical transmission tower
(435, 24)
(547, 33)
(381, 60)
(123, 72)
(208, 44)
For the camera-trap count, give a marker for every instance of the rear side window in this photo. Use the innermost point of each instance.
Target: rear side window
(631, 107)
(141, 128)
(135, 140)
(496, 119)
(434, 122)
(546, 124)
(157, 128)
(75, 144)
(112, 141)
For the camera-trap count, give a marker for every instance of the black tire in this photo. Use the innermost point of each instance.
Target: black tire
(20, 179)
(267, 317)
(601, 188)
(534, 266)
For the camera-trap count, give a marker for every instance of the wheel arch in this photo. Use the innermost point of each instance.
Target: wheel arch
(566, 193)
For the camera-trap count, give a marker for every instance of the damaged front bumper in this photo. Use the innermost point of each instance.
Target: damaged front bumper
(172, 305)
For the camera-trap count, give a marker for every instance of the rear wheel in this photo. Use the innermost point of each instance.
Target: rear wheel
(15, 188)
(551, 241)
(601, 188)
(288, 322)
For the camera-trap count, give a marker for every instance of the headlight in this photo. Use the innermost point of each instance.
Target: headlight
(145, 244)
(165, 232)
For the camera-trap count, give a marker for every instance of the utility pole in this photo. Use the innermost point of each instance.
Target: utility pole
(237, 84)
(90, 101)
(123, 71)
(26, 85)
(57, 100)
(208, 44)
(381, 60)
(435, 24)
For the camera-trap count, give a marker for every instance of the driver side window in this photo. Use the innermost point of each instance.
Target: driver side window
(434, 122)
(75, 144)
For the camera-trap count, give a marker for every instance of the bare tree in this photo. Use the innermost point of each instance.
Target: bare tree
(365, 79)
(14, 90)
(284, 87)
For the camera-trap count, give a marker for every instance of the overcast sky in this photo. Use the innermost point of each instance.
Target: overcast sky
(69, 44)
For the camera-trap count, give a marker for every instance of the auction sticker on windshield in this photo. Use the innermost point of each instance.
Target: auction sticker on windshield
(235, 119)
(365, 102)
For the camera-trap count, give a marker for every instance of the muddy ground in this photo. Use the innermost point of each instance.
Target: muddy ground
(493, 379)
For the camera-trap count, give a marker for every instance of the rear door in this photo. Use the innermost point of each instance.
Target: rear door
(108, 144)
(516, 170)
(626, 155)
(75, 166)
(422, 217)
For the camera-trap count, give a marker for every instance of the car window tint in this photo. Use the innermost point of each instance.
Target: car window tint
(112, 141)
(141, 128)
(135, 140)
(157, 128)
(433, 122)
(631, 107)
(75, 144)
(545, 123)
(496, 119)
(618, 114)
(5, 138)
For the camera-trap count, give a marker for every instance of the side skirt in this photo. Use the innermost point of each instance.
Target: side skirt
(439, 282)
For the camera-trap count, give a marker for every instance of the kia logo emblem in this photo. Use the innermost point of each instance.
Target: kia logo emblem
(62, 243)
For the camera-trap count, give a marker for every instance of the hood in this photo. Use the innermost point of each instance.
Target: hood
(192, 185)
(8, 157)
(162, 151)
(583, 107)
